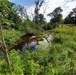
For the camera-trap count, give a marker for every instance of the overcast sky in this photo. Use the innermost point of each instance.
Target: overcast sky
(48, 6)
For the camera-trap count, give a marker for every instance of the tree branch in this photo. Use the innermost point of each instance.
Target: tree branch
(3, 44)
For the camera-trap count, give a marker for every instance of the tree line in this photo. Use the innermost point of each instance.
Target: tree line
(15, 16)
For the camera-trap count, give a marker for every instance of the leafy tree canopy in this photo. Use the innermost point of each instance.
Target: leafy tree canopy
(56, 17)
(71, 18)
(8, 14)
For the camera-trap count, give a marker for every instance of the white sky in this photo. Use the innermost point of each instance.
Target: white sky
(49, 5)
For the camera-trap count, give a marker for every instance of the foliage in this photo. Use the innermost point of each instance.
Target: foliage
(16, 62)
(11, 36)
(57, 59)
(25, 26)
(71, 18)
(9, 15)
(36, 11)
(64, 44)
(56, 17)
(21, 11)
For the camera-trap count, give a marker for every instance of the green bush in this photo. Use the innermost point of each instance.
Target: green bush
(16, 61)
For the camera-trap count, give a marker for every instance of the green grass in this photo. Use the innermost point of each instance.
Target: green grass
(58, 59)
(63, 50)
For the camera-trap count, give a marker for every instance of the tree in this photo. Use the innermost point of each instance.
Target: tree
(25, 26)
(71, 18)
(36, 11)
(8, 14)
(5, 11)
(74, 14)
(41, 19)
(56, 12)
(21, 11)
(56, 16)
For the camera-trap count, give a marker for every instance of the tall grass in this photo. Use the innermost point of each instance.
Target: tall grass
(63, 50)
(60, 58)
